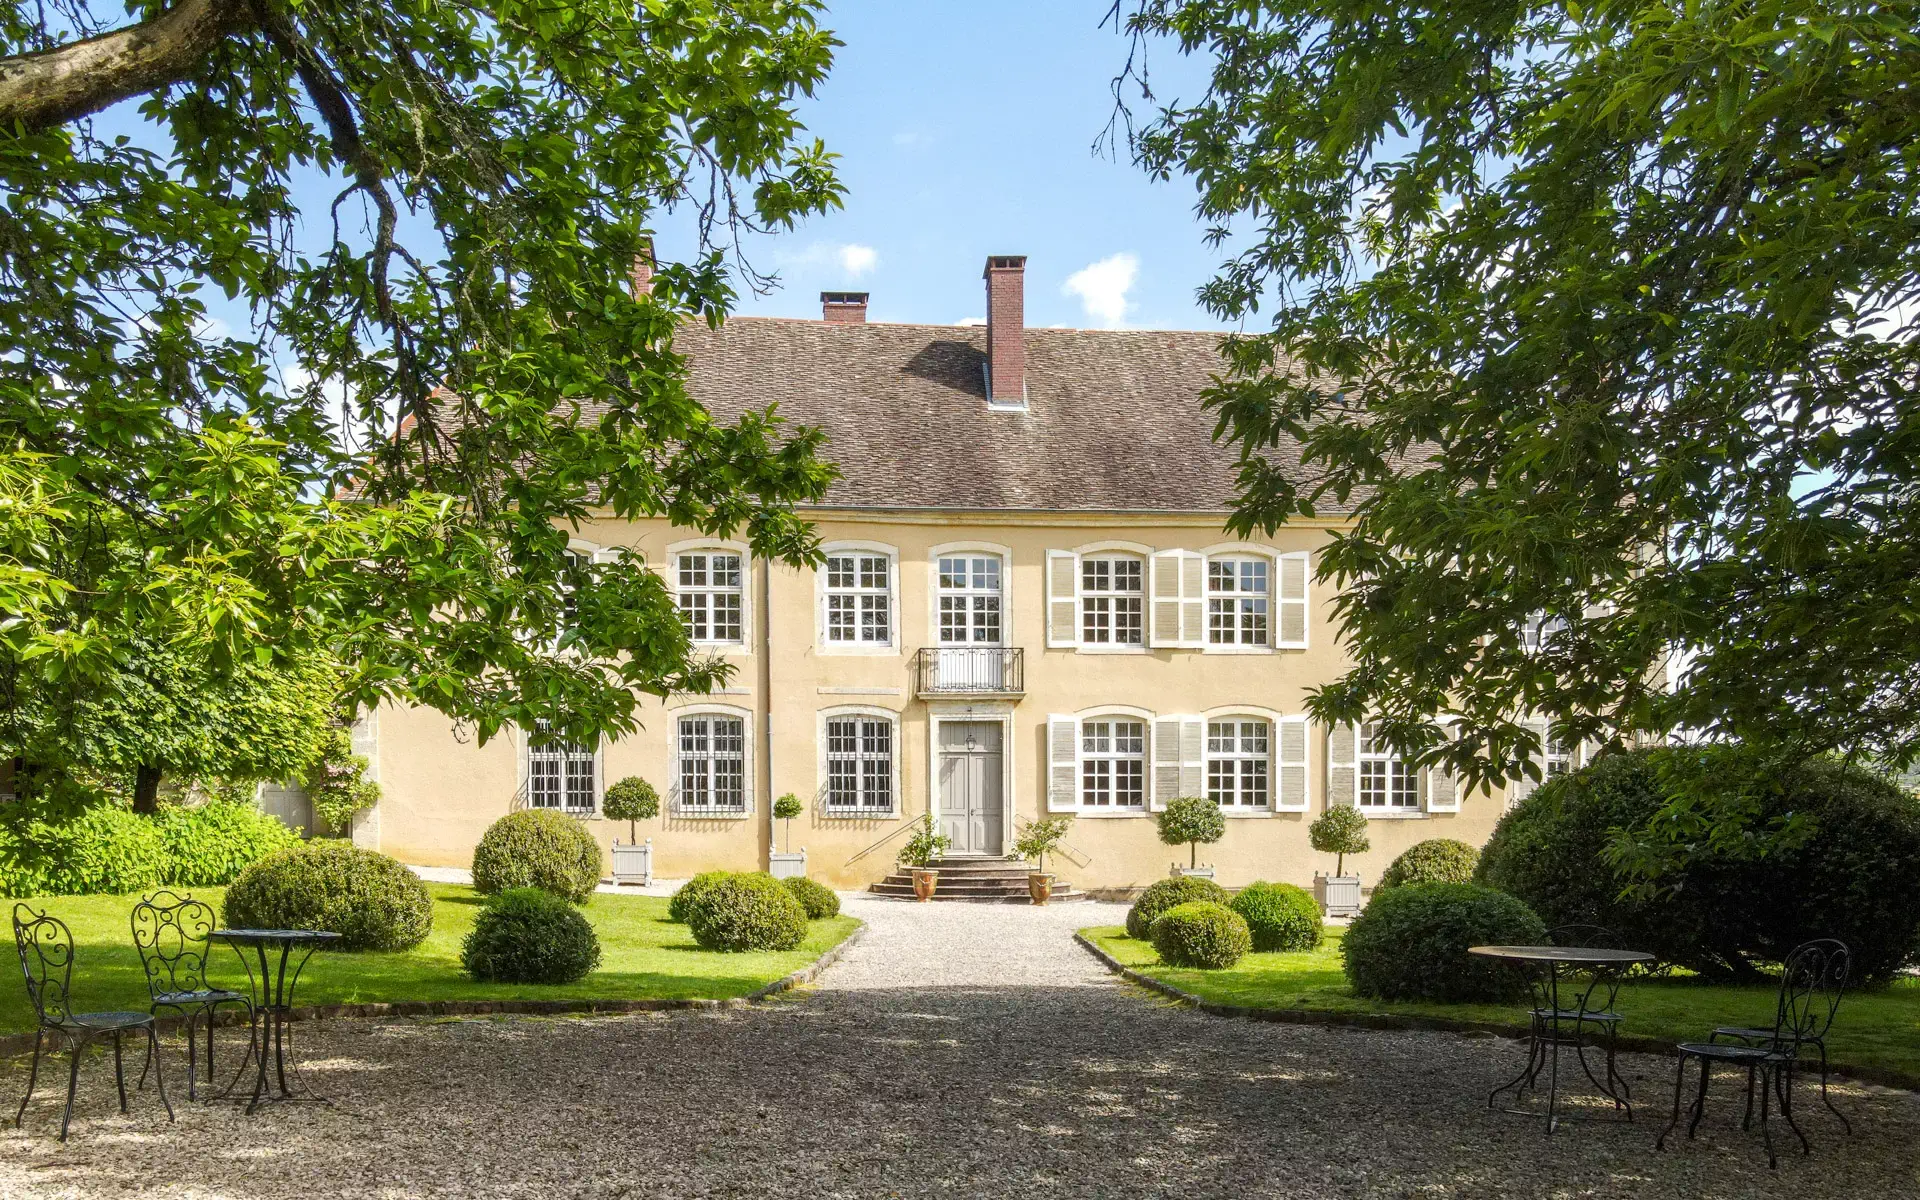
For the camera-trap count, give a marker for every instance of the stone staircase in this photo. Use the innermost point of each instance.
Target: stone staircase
(976, 881)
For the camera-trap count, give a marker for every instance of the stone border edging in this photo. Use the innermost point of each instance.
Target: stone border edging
(1636, 1043)
(22, 1043)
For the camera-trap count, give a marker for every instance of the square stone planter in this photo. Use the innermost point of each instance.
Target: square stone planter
(633, 864)
(1339, 895)
(1200, 872)
(784, 865)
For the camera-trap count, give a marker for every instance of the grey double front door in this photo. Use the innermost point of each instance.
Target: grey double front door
(971, 808)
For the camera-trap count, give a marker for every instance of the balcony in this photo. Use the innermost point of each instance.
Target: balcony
(954, 671)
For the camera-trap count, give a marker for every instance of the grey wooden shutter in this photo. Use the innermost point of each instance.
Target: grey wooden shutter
(1343, 766)
(1166, 761)
(1291, 600)
(1520, 787)
(1290, 764)
(1063, 598)
(1063, 763)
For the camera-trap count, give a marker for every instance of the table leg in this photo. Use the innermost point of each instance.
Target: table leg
(1553, 1030)
(266, 993)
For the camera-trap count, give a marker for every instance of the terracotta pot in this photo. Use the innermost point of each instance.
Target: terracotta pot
(923, 880)
(1039, 886)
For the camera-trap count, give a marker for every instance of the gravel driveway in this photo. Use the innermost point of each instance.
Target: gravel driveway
(957, 1051)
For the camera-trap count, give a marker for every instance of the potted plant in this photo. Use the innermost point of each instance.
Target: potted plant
(1192, 820)
(788, 864)
(1040, 839)
(1340, 831)
(632, 800)
(921, 851)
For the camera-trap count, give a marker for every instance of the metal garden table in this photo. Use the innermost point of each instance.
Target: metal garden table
(272, 988)
(1589, 972)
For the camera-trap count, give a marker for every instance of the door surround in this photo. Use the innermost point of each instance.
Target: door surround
(941, 712)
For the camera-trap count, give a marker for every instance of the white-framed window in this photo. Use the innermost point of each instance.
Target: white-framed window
(1560, 757)
(1113, 764)
(969, 599)
(561, 775)
(713, 771)
(1112, 600)
(1239, 763)
(1539, 630)
(1386, 782)
(1239, 600)
(711, 585)
(859, 598)
(860, 749)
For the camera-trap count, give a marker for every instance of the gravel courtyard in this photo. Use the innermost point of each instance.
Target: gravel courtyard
(957, 1051)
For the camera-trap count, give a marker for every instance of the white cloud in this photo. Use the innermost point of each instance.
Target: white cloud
(850, 259)
(910, 138)
(971, 321)
(1103, 287)
(858, 260)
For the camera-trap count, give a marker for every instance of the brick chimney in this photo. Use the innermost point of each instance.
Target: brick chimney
(1006, 277)
(643, 269)
(843, 308)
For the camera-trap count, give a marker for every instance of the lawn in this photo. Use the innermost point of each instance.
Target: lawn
(643, 957)
(1878, 1029)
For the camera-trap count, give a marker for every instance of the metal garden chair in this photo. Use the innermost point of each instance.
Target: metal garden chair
(1811, 982)
(171, 931)
(46, 958)
(1839, 962)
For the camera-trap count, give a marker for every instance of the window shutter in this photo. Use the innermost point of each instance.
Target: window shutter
(1193, 599)
(1063, 758)
(1291, 600)
(1063, 598)
(1290, 764)
(1520, 788)
(1179, 598)
(1193, 756)
(673, 765)
(1166, 762)
(1165, 603)
(1343, 766)
(747, 770)
(607, 554)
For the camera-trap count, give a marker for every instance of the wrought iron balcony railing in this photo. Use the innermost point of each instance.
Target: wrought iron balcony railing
(970, 671)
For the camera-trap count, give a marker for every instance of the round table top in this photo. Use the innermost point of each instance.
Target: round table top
(275, 935)
(1577, 955)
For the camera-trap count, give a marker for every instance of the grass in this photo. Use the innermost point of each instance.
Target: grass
(1877, 1029)
(643, 957)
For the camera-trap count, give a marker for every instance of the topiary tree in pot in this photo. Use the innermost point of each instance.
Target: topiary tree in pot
(920, 852)
(1340, 831)
(632, 800)
(785, 809)
(1039, 840)
(1192, 820)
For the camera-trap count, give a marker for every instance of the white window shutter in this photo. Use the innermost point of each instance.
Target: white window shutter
(606, 554)
(1442, 786)
(748, 772)
(1063, 763)
(673, 765)
(1166, 761)
(1291, 600)
(1290, 764)
(1063, 598)
(1343, 766)
(1193, 599)
(1193, 756)
(1165, 600)
(1520, 787)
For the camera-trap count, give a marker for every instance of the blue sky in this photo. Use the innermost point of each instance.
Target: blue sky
(965, 130)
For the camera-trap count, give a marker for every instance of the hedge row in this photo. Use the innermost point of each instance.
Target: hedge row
(108, 849)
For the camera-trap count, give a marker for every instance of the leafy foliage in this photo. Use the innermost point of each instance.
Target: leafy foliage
(682, 900)
(529, 935)
(926, 845)
(1200, 933)
(787, 807)
(1280, 916)
(1631, 287)
(1410, 943)
(1192, 820)
(370, 900)
(537, 847)
(212, 843)
(1340, 831)
(1042, 838)
(1436, 860)
(631, 799)
(337, 785)
(1164, 894)
(816, 898)
(103, 848)
(747, 912)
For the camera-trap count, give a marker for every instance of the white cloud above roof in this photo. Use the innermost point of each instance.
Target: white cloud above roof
(1103, 286)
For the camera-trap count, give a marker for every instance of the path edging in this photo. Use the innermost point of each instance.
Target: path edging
(22, 1043)
(1880, 1076)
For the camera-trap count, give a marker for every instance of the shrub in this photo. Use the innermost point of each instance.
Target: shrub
(1280, 916)
(1436, 860)
(1191, 821)
(747, 912)
(1201, 933)
(527, 935)
(926, 845)
(632, 799)
(370, 900)
(817, 899)
(210, 845)
(1856, 877)
(1340, 831)
(337, 783)
(1040, 839)
(1410, 943)
(105, 848)
(537, 847)
(1161, 896)
(682, 901)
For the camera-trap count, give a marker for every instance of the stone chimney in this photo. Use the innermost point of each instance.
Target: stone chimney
(843, 308)
(643, 269)
(1006, 277)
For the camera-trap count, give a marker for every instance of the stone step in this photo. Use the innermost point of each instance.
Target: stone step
(905, 892)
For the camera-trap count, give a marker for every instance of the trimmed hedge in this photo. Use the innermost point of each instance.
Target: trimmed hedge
(528, 935)
(103, 849)
(537, 847)
(210, 845)
(816, 898)
(370, 900)
(1201, 934)
(1161, 896)
(1280, 916)
(1410, 943)
(1856, 877)
(682, 901)
(747, 912)
(1436, 860)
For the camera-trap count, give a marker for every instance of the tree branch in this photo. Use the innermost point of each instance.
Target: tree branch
(52, 87)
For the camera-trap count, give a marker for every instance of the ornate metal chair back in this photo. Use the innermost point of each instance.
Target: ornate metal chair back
(171, 932)
(46, 958)
(1812, 980)
(1603, 987)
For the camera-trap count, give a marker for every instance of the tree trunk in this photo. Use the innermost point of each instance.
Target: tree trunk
(52, 87)
(146, 789)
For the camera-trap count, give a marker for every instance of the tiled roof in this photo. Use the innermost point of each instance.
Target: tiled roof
(1113, 420)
